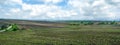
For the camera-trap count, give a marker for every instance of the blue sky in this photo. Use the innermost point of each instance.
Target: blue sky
(60, 9)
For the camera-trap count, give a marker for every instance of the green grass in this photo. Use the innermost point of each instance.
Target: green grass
(70, 35)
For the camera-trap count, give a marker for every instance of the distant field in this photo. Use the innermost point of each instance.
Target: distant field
(61, 34)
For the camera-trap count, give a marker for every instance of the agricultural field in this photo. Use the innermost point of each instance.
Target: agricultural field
(54, 33)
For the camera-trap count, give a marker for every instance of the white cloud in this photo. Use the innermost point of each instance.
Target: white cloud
(15, 10)
(12, 2)
(117, 1)
(79, 9)
(53, 1)
(99, 2)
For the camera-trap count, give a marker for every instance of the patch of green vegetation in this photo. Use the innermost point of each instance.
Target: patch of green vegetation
(9, 27)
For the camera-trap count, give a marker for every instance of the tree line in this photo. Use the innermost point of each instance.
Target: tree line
(94, 23)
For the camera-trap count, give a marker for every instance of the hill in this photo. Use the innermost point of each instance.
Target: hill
(61, 33)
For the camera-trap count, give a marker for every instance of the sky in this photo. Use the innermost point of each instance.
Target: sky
(60, 9)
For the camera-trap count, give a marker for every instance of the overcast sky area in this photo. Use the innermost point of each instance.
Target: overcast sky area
(60, 9)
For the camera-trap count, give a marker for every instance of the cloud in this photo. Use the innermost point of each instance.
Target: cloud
(52, 1)
(60, 9)
(97, 9)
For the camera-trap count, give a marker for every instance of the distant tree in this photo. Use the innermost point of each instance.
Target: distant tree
(113, 23)
(90, 23)
(101, 23)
